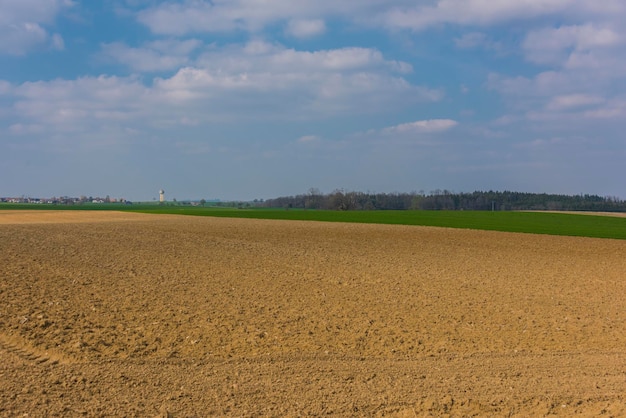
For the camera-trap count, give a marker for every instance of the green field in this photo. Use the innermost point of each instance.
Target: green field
(527, 222)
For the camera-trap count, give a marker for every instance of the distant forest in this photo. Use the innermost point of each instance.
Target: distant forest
(446, 200)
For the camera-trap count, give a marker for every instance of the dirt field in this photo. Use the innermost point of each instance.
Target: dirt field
(117, 314)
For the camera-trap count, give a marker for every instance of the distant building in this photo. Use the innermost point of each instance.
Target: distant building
(161, 195)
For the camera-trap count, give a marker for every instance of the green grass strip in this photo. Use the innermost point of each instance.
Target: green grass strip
(527, 222)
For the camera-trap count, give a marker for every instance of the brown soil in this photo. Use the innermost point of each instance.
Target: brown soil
(111, 314)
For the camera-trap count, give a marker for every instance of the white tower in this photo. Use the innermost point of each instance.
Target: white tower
(161, 195)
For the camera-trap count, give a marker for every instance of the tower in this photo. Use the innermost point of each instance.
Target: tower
(161, 195)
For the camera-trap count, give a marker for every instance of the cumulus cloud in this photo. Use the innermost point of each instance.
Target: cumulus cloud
(421, 126)
(257, 56)
(5, 87)
(303, 28)
(573, 101)
(57, 42)
(320, 82)
(551, 95)
(255, 81)
(473, 40)
(613, 109)
(154, 56)
(193, 147)
(470, 12)
(42, 11)
(17, 39)
(198, 16)
(23, 24)
(586, 80)
(305, 94)
(564, 98)
(555, 45)
(66, 105)
(179, 18)
(308, 139)
(484, 13)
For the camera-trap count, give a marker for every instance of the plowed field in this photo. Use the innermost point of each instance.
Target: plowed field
(116, 314)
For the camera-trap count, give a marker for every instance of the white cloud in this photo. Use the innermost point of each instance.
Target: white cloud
(573, 101)
(568, 97)
(17, 39)
(301, 94)
(77, 105)
(252, 82)
(308, 139)
(421, 126)
(57, 42)
(614, 109)
(506, 120)
(193, 147)
(153, 56)
(198, 16)
(5, 87)
(490, 12)
(175, 47)
(600, 64)
(259, 56)
(586, 54)
(471, 40)
(555, 45)
(587, 75)
(303, 28)
(337, 59)
(320, 82)
(42, 11)
(565, 103)
(470, 12)
(22, 24)
(193, 17)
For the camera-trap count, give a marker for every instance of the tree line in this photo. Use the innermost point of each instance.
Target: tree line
(446, 200)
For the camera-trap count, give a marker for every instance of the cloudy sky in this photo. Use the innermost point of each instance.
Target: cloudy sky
(245, 99)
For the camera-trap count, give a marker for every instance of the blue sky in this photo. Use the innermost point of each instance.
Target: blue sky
(245, 99)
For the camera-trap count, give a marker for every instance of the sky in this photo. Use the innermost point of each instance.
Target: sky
(255, 99)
